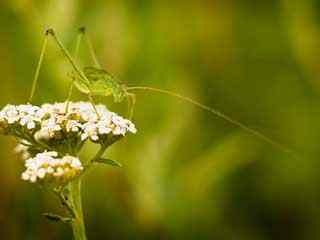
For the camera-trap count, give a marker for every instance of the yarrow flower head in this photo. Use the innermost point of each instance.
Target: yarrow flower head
(24, 116)
(54, 122)
(51, 134)
(47, 166)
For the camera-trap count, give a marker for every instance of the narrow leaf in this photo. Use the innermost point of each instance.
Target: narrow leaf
(57, 218)
(109, 162)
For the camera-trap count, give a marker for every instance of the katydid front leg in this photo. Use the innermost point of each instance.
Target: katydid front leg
(131, 98)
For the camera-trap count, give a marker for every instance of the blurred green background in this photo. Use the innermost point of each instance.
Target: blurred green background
(186, 174)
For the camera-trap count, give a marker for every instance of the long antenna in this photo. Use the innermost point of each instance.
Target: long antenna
(218, 114)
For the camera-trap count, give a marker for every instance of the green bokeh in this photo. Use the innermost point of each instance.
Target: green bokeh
(186, 174)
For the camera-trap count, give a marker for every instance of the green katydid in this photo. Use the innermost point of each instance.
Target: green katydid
(95, 81)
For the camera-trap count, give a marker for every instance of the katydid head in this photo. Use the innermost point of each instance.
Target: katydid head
(119, 93)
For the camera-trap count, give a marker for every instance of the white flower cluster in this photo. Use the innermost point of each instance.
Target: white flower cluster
(51, 121)
(25, 115)
(47, 166)
(50, 129)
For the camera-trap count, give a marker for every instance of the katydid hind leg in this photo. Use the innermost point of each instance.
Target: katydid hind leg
(76, 54)
(37, 73)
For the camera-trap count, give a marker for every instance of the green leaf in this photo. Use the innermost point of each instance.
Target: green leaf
(57, 218)
(109, 162)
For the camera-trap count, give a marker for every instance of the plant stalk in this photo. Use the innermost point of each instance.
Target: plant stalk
(78, 226)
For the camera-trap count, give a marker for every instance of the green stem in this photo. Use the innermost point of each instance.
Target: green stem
(98, 155)
(78, 226)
